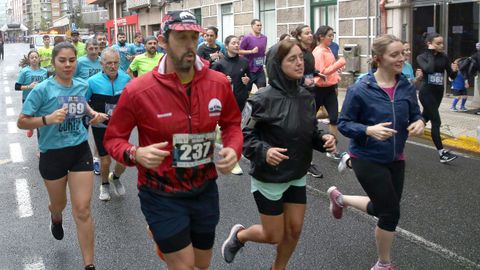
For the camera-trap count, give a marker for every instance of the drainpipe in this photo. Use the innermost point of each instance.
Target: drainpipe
(383, 17)
(368, 30)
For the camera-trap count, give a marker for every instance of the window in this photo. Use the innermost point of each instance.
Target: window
(267, 17)
(324, 12)
(198, 14)
(227, 21)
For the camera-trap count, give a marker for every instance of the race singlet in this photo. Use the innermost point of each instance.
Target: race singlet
(435, 78)
(192, 150)
(76, 105)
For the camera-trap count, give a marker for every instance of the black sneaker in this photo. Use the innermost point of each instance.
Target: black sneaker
(314, 171)
(56, 229)
(90, 267)
(232, 245)
(447, 156)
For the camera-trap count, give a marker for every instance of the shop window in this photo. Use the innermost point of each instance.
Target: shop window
(227, 21)
(267, 17)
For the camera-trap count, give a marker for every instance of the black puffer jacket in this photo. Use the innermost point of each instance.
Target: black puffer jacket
(282, 115)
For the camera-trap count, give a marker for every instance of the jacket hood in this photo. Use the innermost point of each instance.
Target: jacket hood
(276, 77)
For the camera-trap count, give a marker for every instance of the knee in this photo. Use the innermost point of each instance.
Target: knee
(274, 237)
(388, 220)
(293, 232)
(81, 213)
(105, 161)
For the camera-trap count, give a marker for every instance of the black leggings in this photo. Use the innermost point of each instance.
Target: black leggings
(1, 54)
(383, 184)
(431, 97)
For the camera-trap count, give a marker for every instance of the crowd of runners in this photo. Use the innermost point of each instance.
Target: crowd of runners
(183, 87)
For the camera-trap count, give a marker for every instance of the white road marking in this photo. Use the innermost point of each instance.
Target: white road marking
(23, 198)
(10, 112)
(8, 100)
(5, 82)
(6, 89)
(411, 237)
(12, 127)
(433, 148)
(16, 152)
(37, 264)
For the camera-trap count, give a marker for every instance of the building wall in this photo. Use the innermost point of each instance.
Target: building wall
(3, 12)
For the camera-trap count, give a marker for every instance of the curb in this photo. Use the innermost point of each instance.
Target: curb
(464, 143)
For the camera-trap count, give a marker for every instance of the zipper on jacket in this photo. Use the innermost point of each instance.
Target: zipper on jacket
(189, 94)
(394, 119)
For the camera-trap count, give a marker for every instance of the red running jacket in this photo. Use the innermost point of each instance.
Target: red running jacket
(160, 106)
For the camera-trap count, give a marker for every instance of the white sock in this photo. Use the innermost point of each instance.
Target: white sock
(440, 152)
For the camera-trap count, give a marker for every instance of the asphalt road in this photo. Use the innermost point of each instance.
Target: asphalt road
(438, 229)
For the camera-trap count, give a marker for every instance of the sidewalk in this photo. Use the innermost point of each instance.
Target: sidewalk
(459, 129)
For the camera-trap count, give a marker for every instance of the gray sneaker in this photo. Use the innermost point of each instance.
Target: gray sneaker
(232, 245)
(118, 188)
(105, 192)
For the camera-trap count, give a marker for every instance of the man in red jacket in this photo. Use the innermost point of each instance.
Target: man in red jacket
(176, 108)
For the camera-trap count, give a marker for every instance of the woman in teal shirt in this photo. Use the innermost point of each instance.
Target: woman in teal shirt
(56, 106)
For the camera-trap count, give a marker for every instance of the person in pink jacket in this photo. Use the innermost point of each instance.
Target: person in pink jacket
(326, 89)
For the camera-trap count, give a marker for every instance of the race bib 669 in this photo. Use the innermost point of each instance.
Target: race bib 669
(76, 105)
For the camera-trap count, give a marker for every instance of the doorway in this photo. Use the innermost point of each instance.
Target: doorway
(460, 32)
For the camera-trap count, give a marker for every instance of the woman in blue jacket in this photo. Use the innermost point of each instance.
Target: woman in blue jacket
(378, 115)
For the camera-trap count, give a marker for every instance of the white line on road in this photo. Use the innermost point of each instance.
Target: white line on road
(5, 82)
(16, 152)
(8, 100)
(10, 112)
(6, 89)
(23, 198)
(12, 127)
(433, 148)
(438, 249)
(37, 264)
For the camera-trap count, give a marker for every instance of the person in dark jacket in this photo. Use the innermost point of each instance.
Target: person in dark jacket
(433, 63)
(303, 34)
(210, 51)
(236, 69)
(279, 135)
(378, 115)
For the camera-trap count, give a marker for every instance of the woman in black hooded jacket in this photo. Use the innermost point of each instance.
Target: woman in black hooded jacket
(279, 135)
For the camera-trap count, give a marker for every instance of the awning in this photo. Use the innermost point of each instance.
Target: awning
(13, 26)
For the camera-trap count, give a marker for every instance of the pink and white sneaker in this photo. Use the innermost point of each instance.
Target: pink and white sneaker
(335, 207)
(381, 266)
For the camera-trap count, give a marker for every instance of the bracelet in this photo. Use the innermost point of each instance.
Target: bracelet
(44, 120)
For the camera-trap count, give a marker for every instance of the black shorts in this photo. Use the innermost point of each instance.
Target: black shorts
(327, 97)
(268, 207)
(459, 92)
(56, 163)
(98, 135)
(177, 222)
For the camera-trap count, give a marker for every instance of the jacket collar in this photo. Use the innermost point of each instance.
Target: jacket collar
(171, 79)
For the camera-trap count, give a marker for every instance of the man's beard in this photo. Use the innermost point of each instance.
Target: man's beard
(121, 42)
(180, 64)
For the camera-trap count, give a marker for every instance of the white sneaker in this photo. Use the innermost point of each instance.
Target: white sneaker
(118, 188)
(343, 164)
(335, 156)
(104, 193)
(237, 170)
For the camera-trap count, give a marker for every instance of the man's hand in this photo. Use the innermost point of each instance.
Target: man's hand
(329, 143)
(254, 50)
(416, 128)
(57, 116)
(380, 131)
(275, 156)
(229, 158)
(152, 156)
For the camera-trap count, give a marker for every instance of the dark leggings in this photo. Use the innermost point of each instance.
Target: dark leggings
(431, 97)
(383, 184)
(1, 54)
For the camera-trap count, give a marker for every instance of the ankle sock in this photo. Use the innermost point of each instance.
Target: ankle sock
(339, 200)
(440, 152)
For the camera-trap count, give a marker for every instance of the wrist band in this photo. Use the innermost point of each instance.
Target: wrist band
(44, 120)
